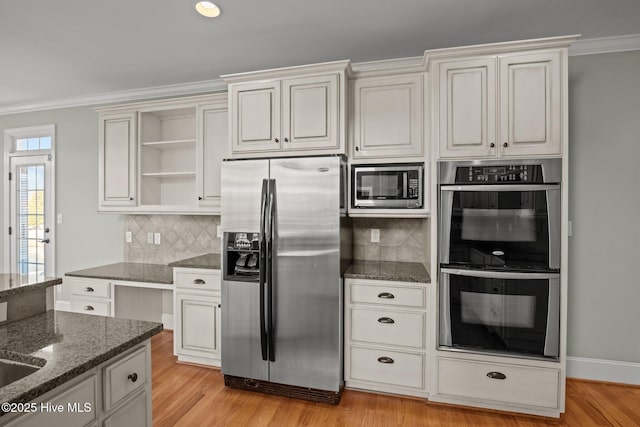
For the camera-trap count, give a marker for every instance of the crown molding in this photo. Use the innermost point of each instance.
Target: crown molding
(605, 45)
(362, 69)
(181, 89)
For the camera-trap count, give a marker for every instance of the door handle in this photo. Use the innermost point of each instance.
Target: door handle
(44, 241)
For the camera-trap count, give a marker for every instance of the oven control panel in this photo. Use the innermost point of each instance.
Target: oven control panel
(499, 174)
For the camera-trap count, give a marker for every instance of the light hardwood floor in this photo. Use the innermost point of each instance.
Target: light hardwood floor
(186, 395)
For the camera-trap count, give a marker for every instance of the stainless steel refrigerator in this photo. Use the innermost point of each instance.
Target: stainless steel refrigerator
(286, 244)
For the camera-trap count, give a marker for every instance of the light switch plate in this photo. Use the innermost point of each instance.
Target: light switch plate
(375, 235)
(59, 218)
(150, 238)
(156, 238)
(128, 237)
(219, 231)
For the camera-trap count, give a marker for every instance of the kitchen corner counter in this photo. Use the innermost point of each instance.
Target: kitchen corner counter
(128, 271)
(70, 343)
(388, 270)
(210, 261)
(13, 284)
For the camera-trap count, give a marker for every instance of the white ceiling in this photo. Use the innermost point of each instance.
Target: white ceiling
(53, 50)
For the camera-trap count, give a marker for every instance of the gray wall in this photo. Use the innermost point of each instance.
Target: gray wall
(85, 238)
(604, 204)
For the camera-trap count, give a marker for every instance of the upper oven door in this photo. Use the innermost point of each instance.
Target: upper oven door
(379, 186)
(505, 226)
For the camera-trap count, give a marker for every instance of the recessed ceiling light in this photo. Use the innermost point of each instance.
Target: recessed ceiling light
(208, 9)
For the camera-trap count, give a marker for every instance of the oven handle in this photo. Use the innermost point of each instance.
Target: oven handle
(499, 274)
(501, 187)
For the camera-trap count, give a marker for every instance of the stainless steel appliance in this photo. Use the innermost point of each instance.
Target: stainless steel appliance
(389, 186)
(282, 313)
(499, 241)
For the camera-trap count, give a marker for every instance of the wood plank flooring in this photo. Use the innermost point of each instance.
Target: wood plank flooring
(186, 395)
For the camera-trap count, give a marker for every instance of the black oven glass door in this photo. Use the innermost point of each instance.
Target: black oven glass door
(504, 226)
(500, 312)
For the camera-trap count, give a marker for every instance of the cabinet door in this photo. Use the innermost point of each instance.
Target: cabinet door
(255, 120)
(530, 106)
(310, 113)
(198, 320)
(212, 146)
(136, 412)
(467, 122)
(388, 116)
(117, 154)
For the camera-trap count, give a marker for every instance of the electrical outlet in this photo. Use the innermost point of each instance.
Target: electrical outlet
(156, 238)
(128, 236)
(219, 231)
(149, 238)
(375, 235)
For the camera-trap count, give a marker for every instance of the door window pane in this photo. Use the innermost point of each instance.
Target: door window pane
(30, 182)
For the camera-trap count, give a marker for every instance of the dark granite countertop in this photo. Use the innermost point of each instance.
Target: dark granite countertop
(388, 270)
(69, 343)
(129, 271)
(12, 284)
(203, 261)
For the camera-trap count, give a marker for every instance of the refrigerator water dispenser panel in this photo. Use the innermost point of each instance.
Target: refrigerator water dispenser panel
(241, 253)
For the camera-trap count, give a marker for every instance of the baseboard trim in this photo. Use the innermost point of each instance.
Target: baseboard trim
(63, 305)
(167, 321)
(603, 370)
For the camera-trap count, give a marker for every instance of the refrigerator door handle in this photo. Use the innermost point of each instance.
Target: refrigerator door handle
(263, 263)
(270, 262)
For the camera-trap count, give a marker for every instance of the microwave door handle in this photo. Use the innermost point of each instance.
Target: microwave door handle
(499, 274)
(405, 184)
(501, 187)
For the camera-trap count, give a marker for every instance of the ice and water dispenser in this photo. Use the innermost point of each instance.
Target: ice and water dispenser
(241, 257)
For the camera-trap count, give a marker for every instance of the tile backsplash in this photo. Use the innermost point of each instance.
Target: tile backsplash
(405, 239)
(181, 236)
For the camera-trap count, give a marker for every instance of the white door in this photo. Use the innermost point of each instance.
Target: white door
(31, 216)
(467, 126)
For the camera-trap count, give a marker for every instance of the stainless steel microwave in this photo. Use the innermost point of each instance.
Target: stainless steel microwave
(389, 186)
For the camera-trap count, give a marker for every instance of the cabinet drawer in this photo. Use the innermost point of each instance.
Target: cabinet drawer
(90, 289)
(90, 306)
(205, 280)
(81, 398)
(402, 369)
(124, 377)
(519, 384)
(388, 327)
(388, 295)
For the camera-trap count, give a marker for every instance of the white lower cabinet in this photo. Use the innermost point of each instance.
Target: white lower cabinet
(115, 393)
(385, 336)
(89, 296)
(197, 307)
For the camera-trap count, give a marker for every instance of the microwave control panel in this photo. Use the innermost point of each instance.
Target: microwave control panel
(499, 174)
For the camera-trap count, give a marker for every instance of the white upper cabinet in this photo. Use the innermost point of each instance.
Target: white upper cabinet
(387, 116)
(503, 105)
(117, 167)
(175, 150)
(288, 111)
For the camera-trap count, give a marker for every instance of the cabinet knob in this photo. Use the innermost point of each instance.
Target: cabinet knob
(219, 305)
(133, 377)
(286, 140)
(276, 140)
(88, 308)
(492, 145)
(386, 295)
(385, 359)
(357, 148)
(199, 282)
(496, 375)
(388, 320)
(505, 144)
(88, 289)
(199, 197)
(130, 198)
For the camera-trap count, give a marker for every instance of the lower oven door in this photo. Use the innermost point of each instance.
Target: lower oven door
(500, 312)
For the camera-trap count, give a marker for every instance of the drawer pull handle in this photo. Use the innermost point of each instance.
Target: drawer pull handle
(386, 295)
(89, 308)
(133, 377)
(88, 289)
(386, 320)
(199, 282)
(497, 375)
(385, 359)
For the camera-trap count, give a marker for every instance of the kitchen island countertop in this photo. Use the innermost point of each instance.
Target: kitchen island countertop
(70, 343)
(388, 270)
(12, 284)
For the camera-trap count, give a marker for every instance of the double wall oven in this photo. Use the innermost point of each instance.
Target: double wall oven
(499, 241)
